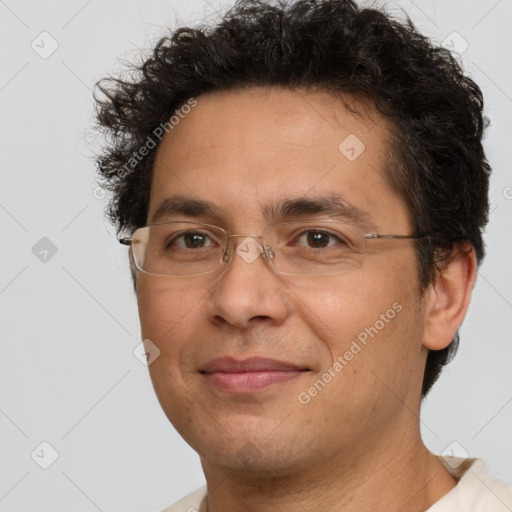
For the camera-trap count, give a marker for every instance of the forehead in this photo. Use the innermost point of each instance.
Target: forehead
(241, 149)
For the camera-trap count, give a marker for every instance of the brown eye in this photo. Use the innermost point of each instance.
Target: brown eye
(190, 240)
(316, 239)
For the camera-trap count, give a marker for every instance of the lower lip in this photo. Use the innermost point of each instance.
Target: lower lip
(248, 382)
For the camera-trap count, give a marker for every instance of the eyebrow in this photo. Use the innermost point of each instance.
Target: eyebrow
(334, 206)
(179, 205)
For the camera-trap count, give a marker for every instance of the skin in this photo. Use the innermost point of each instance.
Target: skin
(356, 445)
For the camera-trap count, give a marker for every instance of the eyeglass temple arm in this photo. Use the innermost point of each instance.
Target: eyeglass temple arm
(126, 241)
(401, 237)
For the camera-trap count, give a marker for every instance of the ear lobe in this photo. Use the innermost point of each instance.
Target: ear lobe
(448, 296)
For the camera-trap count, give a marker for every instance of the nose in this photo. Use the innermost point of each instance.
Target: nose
(247, 292)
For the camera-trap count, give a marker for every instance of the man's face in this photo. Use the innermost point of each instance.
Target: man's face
(243, 151)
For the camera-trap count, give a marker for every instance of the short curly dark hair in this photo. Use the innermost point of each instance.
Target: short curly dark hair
(437, 163)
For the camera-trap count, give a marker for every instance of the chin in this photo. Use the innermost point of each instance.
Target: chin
(253, 454)
(257, 463)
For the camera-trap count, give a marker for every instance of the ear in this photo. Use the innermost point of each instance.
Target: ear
(447, 297)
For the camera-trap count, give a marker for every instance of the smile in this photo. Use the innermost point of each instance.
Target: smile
(249, 375)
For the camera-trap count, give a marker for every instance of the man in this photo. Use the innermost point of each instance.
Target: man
(304, 189)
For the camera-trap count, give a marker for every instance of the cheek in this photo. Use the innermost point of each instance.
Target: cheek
(370, 319)
(166, 310)
(373, 336)
(170, 313)
(338, 308)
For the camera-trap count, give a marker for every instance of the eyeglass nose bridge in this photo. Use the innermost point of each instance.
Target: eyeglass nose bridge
(266, 250)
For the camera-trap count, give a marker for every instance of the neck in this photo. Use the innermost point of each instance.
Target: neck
(402, 475)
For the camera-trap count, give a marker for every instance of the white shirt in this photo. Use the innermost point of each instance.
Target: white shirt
(476, 491)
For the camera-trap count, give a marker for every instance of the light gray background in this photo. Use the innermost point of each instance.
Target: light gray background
(69, 325)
